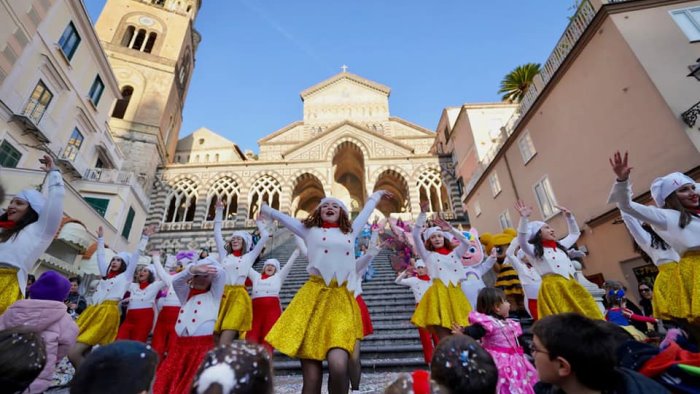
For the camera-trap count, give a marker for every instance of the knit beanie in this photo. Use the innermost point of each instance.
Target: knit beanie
(50, 286)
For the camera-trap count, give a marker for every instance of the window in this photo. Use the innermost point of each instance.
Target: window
(123, 103)
(98, 204)
(432, 190)
(181, 202)
(74, 143)
(127, 224)
(96, 90)
(527, 148)
(265, 189)
(128, 36)
(477, 208)
(138, 41)
(150, 42)
(99, 163)
(225, 190)
(38, 102)
(545, 198)
(69, 40)
(495, 184)
(688, 20)
(504, 220)
(9, 156)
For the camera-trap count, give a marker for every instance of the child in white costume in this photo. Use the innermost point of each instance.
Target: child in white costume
(530, 279)
(236, 311)
(419, 285)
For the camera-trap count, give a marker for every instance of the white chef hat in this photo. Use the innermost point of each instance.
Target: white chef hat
(662, 187)
(34, 198)
(334, 200)
(430, 231)
(420, 263)
(533, 228)
(273, 262)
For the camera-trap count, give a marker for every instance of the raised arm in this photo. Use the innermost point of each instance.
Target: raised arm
(518, 264)
(463, 241)
(288, 265)
(641, 237)
(264, 237)
(102, 264)
(160, 271)
(622, 195)
(525, 212)
(52, 214)
(218, 238)
(134, 258)
(180, 285)
(287, 221)
(574, 231)
(367, 210)
(487, 264)
(417, 229)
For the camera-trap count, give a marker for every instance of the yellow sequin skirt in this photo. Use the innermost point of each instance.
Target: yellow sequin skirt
(689, 267)
(236, 310)
(442, 306)
(636, 334)
(98, 324)
(670, 298)
(318, 319)
(9, 288)
(560, 295)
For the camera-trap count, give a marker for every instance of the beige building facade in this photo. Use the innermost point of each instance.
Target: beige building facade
(58, 94)
(616, 80)
(347, 145)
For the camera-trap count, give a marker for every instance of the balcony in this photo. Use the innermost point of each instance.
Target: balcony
(30, 125)
(70, 160)
(691, 116)
(105, 175)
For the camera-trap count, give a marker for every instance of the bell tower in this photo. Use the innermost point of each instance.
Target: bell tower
(150, 45)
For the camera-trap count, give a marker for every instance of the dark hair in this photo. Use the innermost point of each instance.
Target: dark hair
(151, 277)
(673, 202)
(75, 279)
(22, 358)
(445, 244)
(207, 251)
(31, 279)
(404, 384)
(28, 218)
(489, 298)
(461, 365)
(122, 266)
(582, 343)
(314, 220)
(2, 194)
(536, 241)
(245, 359)
(120, 367)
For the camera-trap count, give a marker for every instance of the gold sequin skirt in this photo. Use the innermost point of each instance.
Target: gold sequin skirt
(670, 298)
(98, 324)
(9, 288)
(318, 319)
(560, 295)
(236, 310)
(689, 267)
(442, 306)
(636, 334)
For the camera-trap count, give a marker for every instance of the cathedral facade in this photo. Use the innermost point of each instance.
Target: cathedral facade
(347, 146)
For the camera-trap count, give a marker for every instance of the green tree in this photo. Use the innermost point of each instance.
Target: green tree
(515, 83)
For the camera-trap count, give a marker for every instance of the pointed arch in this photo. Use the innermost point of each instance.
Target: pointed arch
(433, 190)
(265, 189)
(226, 190)
(181, 202)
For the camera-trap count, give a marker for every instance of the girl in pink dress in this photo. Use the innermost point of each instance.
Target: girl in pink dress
(499, 336)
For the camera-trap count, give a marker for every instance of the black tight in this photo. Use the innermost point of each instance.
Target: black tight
(355, 368)
(312, 372)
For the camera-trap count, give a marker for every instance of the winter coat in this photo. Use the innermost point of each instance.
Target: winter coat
(627, 382)
(57, 329)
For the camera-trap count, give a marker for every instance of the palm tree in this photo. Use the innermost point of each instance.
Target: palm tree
(515, 83)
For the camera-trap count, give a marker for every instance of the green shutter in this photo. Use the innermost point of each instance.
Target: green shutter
(98, 204)
(128, 223)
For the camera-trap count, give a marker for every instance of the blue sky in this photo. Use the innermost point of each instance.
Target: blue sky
(257, 56)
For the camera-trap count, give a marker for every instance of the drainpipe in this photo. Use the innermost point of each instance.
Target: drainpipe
(510, 177)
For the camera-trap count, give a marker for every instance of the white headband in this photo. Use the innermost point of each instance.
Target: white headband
(273, 262)
(34, 198)
(420, 263)
(430, 231)
(126, 257)
(334, 201)
(662, 187)
(533, 228)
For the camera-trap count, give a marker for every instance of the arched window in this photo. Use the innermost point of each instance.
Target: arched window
(123, 103)
(265, 189)
(128, 36)
(225, 190)
(206, 160)
(431, 189)
(150, 42)
(138, 41)
(181, 202)
(184, 69)
(216, 158)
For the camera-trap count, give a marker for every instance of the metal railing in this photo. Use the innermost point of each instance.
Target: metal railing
(105, 175)
(691, 115)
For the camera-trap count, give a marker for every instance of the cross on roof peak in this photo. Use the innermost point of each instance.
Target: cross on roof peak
(344, 68)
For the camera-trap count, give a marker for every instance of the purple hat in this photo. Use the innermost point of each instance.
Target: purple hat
(50, 286)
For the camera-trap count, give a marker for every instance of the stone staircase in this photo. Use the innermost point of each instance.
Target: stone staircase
(394, 346)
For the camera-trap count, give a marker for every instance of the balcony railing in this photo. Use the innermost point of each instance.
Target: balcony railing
(691, 116)
(31, 126)
(70, 159)
(105, 175)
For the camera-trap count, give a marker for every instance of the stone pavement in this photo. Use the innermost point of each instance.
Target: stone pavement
(370, 383)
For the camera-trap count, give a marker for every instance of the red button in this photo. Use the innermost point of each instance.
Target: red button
(181, 311)
(192, 320)
(179, 321)
(199, 302)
